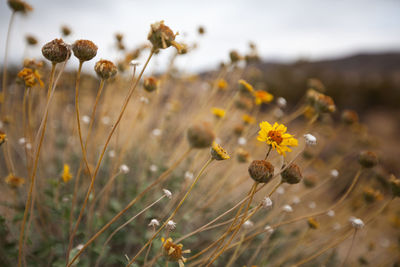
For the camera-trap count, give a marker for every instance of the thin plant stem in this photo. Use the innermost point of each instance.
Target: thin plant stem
(351, 247)
(124, 106)
(40, 135)
(138, 197)
(4, 82)
(173, 213)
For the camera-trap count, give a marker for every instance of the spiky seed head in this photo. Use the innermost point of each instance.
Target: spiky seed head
(56, 51)
(261, 171)
(292, 174)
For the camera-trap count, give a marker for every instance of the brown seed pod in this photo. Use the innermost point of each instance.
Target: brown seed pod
(56, 51)
(349, 117)
(367, 159)
(84, 50)
(261, 171)
(395, 185)
(310, 181)
(234, 56)
(292, 174)
(200, 135)
(151, 84)
(31, 40)
(19, 6)
(161, 36)
(105, 69)
(65, 30)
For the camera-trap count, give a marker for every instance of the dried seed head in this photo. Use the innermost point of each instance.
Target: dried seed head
(119, 37)
(349, 117)
(292, 174)
(218, 153)
(19, 6)
(200, 135)
(261, 171)
(395, 185)
(105, 69)
(56, 51)
(238, 129)
(234, 56)
(154, 223)
(266, 203)
(371, 195)
(367, 159)
(31, 40)
(161, 36)
(311, 140)
(151, 84)
(324, 104)
(84, 50)
(287, 208)
(14, 181)
(171, 225)
(173, 252)
(316, 85)
(167, 193)
(124, 169)
(310, 181)
(356, 223)
(201, 30)
(65, 30)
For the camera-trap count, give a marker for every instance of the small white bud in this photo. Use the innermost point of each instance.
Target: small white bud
(311, 140)
(124, 168)
(154, 223)
(171, 225)
(269, 229)
(287, 208)
(331, 213)
(242, 141)
(336, 226)
(144, 100)
(334, 173)
(28, 146)
(267, 203)
(111, 153)
(22, 141)
(153, 168)
(167, 193)
(79, 247)
(278, 113)
(106, 120)
(248, 224)
(296, 200)
(357, 223)
(312, 205)
(85, 119)
(134, 63)
(280, 190)
(189, 175)
(281, 102)
(156, 132)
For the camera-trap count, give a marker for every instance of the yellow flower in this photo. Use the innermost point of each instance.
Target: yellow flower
(3, 137)
(218, 153)
(173, 252)
(222, 84)
(14, 181)
(218, 112)
(276, 137)
(66, 175)
(30, 77)
(248, 119)
(262, 97)
(246, 86)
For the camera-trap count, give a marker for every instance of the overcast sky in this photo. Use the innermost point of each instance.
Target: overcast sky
(284, 29)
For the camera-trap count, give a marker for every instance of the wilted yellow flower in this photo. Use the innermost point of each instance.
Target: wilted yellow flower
(245, 86)
(312, 223)
(248, 119)
(218, 153)
(276, 136)
(66, 175)
(262, 97)
(14, 181)
(31, 77)
(222, 84)
(218, 112)
(2, 137)
(173, 252)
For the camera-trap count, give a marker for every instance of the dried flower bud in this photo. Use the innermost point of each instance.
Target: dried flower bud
(154, 223)
(238, 129)
(310, 181)
(3, 137)
(124, 168)
(234, 56)
(266, 203)
(65, 30)
(200, 135)
(151, 84)
(31, 40)
(261, 171)
(14, 181)
(173, 252)
(161, 36)
(312, 223)
(167, 193)
(349, 117)
(19, 6)
(292, 174)
(105, 69)
(371, 195)
(201, 30)
(394, 184)
(324, 104)
(242, 155)
(56, 51)
(357, 223)
(119, 37)
(84, 50)
(311, 140)
(287, 208)
(218, 153)
(316, 85)
(367, 159)
(171, 225)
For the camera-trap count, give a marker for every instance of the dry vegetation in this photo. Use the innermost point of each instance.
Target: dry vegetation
(121, 169)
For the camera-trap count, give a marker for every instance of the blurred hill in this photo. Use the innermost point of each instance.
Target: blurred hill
(360, 82)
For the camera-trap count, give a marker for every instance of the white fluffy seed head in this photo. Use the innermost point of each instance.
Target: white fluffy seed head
(242, 141)
(156, 132)
(153, 168)
(22, 141)
(334, 173)
(267, 203)
(85, 119)
(167, 193)
(357, 223)
(310, 139)
(124, 169)
(296, 200)
(287, 208)
(248, 224)
(281, 102)
(269, 229)
(171, 225)
(331, 213)
(144, 100)
(312, 205)
(154, 223)
(189, 175)
(111, 153)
